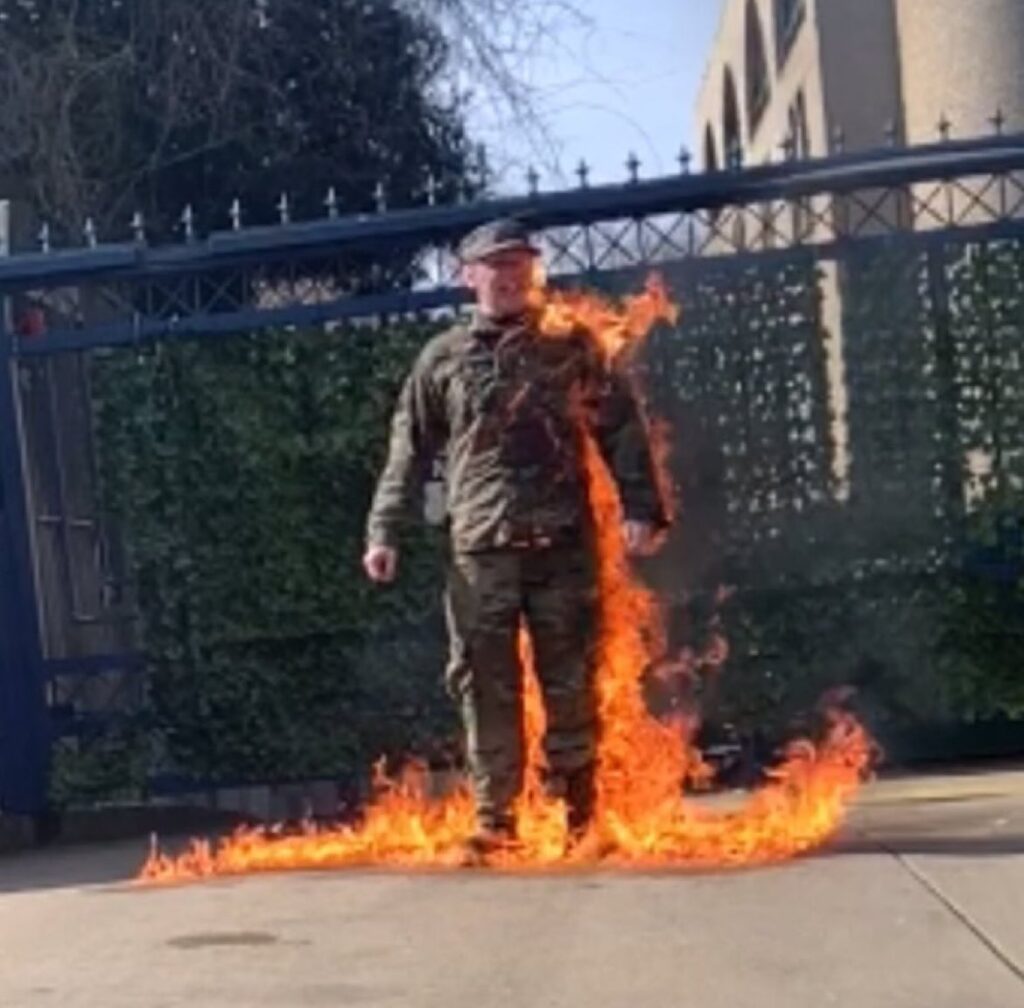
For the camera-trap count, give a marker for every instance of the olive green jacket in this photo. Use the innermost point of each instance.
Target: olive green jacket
(504, 405)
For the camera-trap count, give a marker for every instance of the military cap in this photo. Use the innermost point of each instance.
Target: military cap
(496, 236)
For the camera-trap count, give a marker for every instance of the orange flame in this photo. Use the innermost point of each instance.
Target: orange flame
(615, 328)
(642, 817)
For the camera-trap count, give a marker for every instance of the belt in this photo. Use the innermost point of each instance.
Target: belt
(530, 542)
(526, 538)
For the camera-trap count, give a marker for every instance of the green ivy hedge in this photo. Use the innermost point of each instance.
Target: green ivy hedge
(238, 472)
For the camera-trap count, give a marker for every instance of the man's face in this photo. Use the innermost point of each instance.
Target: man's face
(501, 282)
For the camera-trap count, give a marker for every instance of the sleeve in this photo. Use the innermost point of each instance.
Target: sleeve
(624, 439)
(417, 434)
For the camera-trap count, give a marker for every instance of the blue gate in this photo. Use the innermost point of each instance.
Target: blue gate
(892, 240)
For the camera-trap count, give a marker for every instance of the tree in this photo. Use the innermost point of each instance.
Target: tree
(108, 107)
(265, 654)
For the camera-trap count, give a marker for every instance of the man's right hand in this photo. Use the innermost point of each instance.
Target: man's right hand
(380, 563)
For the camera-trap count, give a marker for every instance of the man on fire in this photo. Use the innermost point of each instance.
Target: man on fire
(509, 408)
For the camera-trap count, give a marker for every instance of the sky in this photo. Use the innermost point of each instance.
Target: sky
(626, 83)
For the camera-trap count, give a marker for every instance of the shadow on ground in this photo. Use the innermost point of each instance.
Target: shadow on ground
(73, 867)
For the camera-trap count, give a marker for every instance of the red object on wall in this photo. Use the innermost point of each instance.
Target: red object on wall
(30, 321)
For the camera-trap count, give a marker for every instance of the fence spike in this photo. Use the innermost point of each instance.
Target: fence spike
(236, 214)
(139, 227)
(533, 180)
(998, 122)
(633, 167)
(331, 202)
(188, 222)
(838, 140)
(44, 237)
(481, 167)
(380, 198)
(685, 159)
(284, 210)
(90, 232)
(944, 126)
(431, 189)
(583, 173)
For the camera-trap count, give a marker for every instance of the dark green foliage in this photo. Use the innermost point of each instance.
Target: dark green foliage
(853, 557)
(155, 105)
(240, 473)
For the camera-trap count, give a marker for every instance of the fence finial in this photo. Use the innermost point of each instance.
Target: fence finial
(380, 198)
(44, 237)
(838, 140)
(188, 222)
(331, 202)
(481, 167)
(533, 180)
(944, 126)
(998, 121)
(788, 147)
(139, 227)
(583, 173)
(633, 167)
(684, 158)
(90, 232)
(236, 214)
(284, 209)
(890, 133)
(431, 189)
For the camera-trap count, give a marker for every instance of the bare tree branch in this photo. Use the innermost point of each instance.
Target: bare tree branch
(102, 100)
(495, 44)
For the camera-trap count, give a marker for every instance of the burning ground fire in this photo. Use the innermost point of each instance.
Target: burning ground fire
(642, 818)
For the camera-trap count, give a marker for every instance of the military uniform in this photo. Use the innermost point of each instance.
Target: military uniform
(505, 407)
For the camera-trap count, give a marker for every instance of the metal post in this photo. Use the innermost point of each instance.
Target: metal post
(951, 463)
(24, 721)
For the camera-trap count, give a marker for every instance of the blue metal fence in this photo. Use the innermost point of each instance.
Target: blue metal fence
(398, 262)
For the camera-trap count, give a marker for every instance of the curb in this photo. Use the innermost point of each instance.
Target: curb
(109, 825)
(17, 832)
(241, 807)
(956, 785)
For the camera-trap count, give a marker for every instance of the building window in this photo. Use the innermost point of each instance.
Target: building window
(798, 148)
(710, 150)
(789, 141)
(801, 139)
(732, 142)
(797, 144)
(789, 15)
(758, 87)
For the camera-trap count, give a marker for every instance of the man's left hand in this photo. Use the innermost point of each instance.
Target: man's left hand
(640, 537)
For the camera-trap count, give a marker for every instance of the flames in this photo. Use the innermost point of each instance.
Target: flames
(615, 328)
(644, 765)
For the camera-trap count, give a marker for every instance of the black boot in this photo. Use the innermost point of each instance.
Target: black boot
(494, 834)
(579, 798)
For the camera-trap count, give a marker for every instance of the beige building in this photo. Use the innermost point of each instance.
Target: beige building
(801, 77)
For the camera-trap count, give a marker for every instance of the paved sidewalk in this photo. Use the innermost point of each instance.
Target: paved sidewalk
(919, 904)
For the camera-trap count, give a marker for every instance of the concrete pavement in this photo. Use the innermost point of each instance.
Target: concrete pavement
(919, 904)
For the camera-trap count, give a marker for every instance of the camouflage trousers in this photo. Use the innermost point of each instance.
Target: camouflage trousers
(490, 595)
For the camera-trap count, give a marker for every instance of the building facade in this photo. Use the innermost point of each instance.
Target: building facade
(798, 78)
